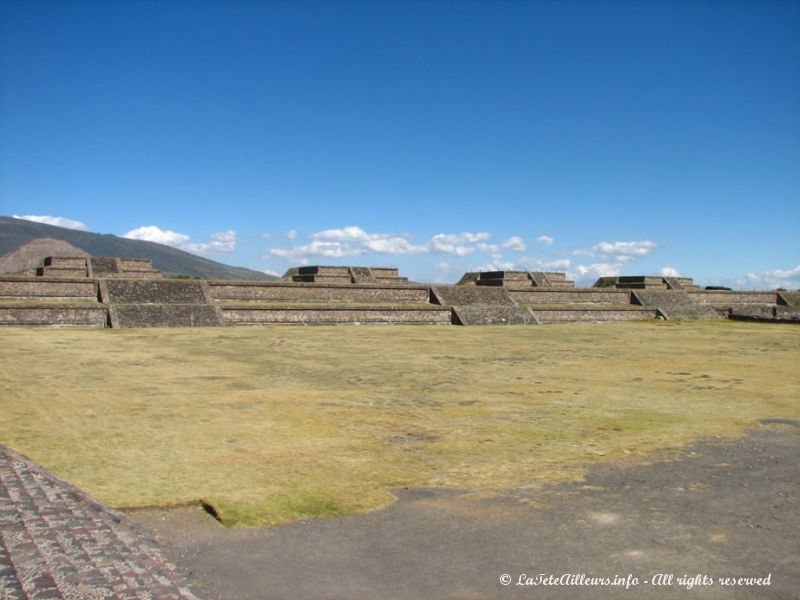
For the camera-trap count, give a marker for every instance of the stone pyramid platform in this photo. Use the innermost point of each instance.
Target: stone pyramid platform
(92, 266)
(648, 282)
(81, 292)
(517, 279)
(344, 275)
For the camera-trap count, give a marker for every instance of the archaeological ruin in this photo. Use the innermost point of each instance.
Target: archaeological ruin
(124, 293)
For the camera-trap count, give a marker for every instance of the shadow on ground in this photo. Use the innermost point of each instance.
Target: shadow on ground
(718, 510)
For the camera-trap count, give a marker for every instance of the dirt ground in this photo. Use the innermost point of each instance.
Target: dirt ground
(715, 510)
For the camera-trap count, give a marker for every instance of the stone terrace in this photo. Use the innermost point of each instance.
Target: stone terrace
(57, 542)
(79, 266)
(340, 302)
(125, 296)
(321, 274)
(517, 279)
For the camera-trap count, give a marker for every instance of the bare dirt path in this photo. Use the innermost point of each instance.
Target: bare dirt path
(719, 510)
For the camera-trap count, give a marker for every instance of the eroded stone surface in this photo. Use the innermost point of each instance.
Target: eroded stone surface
(57, 542)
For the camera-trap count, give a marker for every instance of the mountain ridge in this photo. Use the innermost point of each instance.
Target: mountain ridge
(15, 233)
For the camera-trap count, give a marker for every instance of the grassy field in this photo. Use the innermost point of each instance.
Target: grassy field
(272, 424)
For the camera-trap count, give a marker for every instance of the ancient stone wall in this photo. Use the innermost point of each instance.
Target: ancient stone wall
(266, 291)
(65, 262)
(385, 273)
(726, 299)
(545, 296)
(500, 314)
(587, 315)
(38, 315)
(37, 287)
(263, 315)
(61, 266)
(163, 315)
(641, 282)
(343, 275)
(457, 295)
(122, 291)
(129, 296)
(104, 267)
(674, 304)
(765, 314)
(517, 279)
(647, 282)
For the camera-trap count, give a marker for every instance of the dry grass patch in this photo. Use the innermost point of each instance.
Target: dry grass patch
(272, 424)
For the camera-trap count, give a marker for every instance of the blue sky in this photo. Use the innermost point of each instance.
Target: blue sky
(594, 138)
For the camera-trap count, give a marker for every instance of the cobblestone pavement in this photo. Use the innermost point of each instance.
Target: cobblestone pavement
(57, 542)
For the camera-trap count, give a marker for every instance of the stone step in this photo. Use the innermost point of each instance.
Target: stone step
(462, 295)
(68, 272)
(37, 287)
(65, 262)
(303, 292)
(518, 279)
(53, 315)
(163, 315)
(492, 315)
(674, 304)
(586, 315)
(362, 275)
(642, 285)
(557, 296)
(322, 278)
(729, 299)
(581, 306)
(286, 315)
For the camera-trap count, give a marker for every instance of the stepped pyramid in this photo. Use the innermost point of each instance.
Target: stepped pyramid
(344, 275)
(517, 279)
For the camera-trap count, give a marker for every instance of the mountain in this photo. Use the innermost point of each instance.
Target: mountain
(171, 261)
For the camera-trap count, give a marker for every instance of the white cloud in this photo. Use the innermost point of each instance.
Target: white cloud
(770, 280)
(291, 234)
(515, 243)
(460, 244)
(270, 272)
(445, 272)
(222, 242)
(351, 233)
(151, 233)
(355, 241)
(670, 272)
(497, 263)
(321, 248)
(465, 237)
(395, 245)
(545, 240)
(587, 273)
(531, 263)
(620, 251)
(613, 256)
(57, 221)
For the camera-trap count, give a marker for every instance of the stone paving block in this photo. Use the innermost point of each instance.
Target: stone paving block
(57, 542)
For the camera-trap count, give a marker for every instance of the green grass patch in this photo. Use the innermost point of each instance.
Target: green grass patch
(273, 424)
